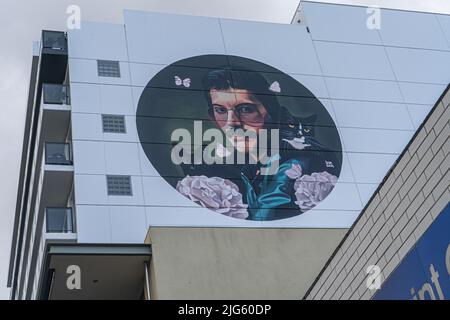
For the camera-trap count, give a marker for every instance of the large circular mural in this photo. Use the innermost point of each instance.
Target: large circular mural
(239, 137)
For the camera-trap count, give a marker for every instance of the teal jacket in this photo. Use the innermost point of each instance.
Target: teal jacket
(271, 197)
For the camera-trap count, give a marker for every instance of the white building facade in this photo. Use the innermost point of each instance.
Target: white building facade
(94, 178)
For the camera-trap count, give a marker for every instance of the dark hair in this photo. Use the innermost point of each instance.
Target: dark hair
(225, 79)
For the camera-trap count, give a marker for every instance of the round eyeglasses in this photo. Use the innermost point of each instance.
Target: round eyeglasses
(246, 113)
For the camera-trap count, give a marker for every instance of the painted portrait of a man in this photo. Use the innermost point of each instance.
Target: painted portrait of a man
(273, 180)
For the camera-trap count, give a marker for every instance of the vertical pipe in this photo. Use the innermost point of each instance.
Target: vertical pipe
(147, 281)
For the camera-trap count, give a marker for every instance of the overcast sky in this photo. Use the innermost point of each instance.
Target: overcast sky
(21, 22)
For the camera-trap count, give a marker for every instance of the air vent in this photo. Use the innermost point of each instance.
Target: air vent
(119, 185)
(107, 68)
(113, 124)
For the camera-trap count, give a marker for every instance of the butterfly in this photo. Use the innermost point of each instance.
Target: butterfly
(275, 87)
(180, 82)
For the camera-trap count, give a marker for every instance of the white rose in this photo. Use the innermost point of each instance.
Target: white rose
(215, 193)
(311, 190)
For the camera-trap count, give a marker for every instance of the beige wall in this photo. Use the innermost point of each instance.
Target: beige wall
(227, 263)
(412, 196)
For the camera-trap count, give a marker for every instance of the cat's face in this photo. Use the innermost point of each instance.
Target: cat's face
(306, 127)
(296, 127)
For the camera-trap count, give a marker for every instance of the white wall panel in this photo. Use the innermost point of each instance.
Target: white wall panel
(421, 93)
(411, 29)
(343, 197)
(93, 224)
(90, 189)
(89, 157)
(444, 22)
(193, 216)
(339, 23)
(147, 169)
(142, 73)
(346, 170)
(317, 219)
(122, 158)
(354, 61)
(418, 65)
(85, 97)
(116, 100)
(87, 126)
(366, 90)
(97, 40)
(418, 113)
(370, 167)
(267, 42)
(375, 141)
(83, 70)
(366, 190)
(128, 224)
(158, 192)
(377, 115)
(315, 84)
(137, 92)
(165, 38)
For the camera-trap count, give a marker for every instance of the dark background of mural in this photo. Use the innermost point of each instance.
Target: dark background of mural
(165, 106)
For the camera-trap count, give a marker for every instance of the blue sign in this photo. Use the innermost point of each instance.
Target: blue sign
(424, 274)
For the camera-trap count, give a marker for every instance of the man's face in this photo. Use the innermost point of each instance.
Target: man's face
(238, 109)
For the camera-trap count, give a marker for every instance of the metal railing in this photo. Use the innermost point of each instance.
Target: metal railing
(58, 154)
(54, 40)
(55, 94)
(59, 220)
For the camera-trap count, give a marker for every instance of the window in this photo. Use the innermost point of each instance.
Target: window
(113, 124)
(56, 94)
(119, 185)
(59, 220)
(54, 40)
(107, 68)
(58, 154)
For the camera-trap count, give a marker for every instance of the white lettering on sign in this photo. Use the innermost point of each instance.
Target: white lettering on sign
(373, 281)
(74, 280)
(427, 290)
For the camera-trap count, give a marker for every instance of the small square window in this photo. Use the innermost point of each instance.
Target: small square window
(119, 185)
(107, 68)
(113, 124)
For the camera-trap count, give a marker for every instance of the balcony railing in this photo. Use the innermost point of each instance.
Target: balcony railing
(59, 220)
(54, 41)
(58, 154)
(56, 94)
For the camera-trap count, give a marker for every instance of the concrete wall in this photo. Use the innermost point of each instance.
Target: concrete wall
(413, 194)
(226, 263)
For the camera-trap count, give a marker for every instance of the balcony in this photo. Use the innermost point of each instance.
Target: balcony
(54, 42)
(55, 94)
(54, 117)
(54, 57)
(58, 154)
(59, 220)
(112, 271)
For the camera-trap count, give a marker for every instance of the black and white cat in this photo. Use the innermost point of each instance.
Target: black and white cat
(298, 132)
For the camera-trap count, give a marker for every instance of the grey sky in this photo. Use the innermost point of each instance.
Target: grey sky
(21, 23)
